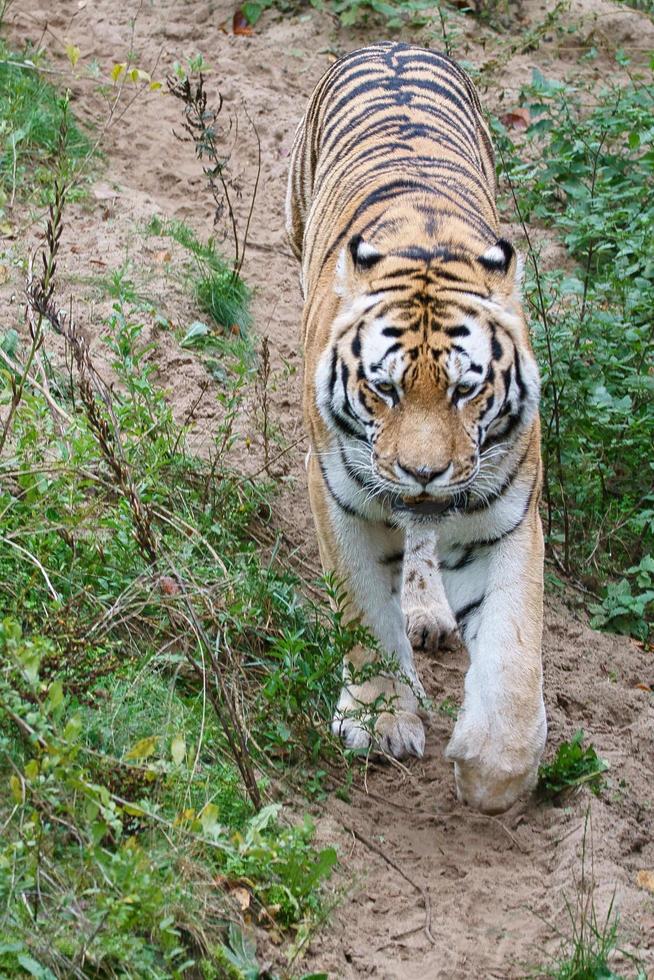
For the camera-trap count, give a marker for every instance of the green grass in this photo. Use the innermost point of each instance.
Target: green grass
(31, 114)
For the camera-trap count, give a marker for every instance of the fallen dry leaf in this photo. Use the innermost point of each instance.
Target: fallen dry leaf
(516, 119)
(169, 585)
(643, 687)
(4, 274)
(240, 24)
(162, 257)
(104, 192)
(645, 879)
(242, 896)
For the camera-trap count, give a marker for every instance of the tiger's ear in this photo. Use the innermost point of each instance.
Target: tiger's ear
(359, 256)
(503, 263)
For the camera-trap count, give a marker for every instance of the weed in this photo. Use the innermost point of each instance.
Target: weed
(624, 610)
(573, 765)
(394, 14)
(449, 707)
(202, 128)
(647, 6)
(592, 941)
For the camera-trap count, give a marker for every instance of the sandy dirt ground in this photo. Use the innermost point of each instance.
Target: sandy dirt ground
(427, 888)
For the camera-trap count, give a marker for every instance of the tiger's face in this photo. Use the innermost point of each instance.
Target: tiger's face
(430, 376)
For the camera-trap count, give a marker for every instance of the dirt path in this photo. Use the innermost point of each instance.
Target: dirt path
(475, 896)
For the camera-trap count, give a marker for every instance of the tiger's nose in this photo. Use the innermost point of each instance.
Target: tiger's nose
(423, 474)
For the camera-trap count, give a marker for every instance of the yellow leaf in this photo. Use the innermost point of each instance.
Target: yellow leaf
(32, 769)
(144, 747)
(646, 880)
(209, 817)
(117, 71)
(242, 896)
(16, 789)
(133, 810)
(73, 53)
(178, 749)
(155, 86)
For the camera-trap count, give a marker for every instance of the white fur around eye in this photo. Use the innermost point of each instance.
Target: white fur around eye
(340, 278)
(366, 252)
(495, 255)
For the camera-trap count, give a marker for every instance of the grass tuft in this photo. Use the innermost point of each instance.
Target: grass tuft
(220, 291)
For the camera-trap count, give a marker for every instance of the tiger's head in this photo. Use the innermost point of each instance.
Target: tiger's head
(430, 371)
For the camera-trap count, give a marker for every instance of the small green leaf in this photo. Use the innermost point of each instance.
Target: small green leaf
(72, 53)
(55, 696)
(143, 749)
(195, 332)
(209, 819)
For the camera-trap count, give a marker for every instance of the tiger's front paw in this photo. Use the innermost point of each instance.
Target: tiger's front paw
(495, 764)
(431, 629)
(398, 732)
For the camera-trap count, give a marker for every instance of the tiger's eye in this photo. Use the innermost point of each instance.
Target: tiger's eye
(385, 387)
(464, 389)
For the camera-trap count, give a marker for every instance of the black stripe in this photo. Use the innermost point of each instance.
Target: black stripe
(392, 559)
(347, 508)
(468, 610)
(501, 490)
(466, 559)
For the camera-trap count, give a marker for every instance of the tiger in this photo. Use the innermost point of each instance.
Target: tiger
(421, 402)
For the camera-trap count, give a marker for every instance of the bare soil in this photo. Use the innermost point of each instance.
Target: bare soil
(427, 888)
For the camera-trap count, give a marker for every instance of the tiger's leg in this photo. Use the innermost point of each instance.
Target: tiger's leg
(381, 709)
(430, 623)
(500, 734)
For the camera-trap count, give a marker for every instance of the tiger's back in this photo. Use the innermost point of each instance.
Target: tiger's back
(393, 141)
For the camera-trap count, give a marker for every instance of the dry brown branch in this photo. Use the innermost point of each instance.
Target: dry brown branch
(424, 894)
(201, 127)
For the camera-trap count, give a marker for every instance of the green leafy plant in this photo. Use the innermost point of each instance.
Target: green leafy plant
(573, 765)
(129, 561)
(394, 14)
(628, 605)
(588, 174)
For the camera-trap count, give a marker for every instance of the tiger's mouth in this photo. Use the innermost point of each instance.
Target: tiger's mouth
(424, 505)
